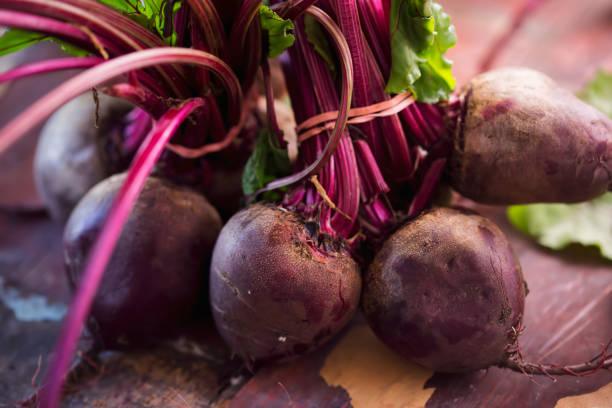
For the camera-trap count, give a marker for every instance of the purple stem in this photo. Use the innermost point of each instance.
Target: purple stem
(346, 91)
(422, 123)
(433, 116)
(101, 73)
(227, 10)
(216, 125)
(111, 16)
(292, 10)
(181, 22)
(64, 31)
(103, 24)
(347, 180)
(376, 31)
(348, 20)
(253, 56)
(142, 78)
(294, 197)
(347, 175)
(414, 127)
(201, 76)
(427, 188)
(210, 24)
(272, 122)
(385, 135)
(307, 106)
(98, 259)
(240, 27)
(139, 126)
(371, 179)
(376, 217)
(49, 66)
(375, 20)
(300, 89)
(139, 96)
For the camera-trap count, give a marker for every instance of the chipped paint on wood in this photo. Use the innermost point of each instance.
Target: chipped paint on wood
(32, 308)
(374, 376)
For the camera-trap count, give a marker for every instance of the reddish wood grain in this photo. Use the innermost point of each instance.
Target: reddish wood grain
(296, 384)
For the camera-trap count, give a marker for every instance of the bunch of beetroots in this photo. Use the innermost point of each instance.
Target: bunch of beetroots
(379, 131)
(445, 289)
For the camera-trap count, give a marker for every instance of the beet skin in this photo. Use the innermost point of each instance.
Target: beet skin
(71, 156)
(159, 266)
(445, 291)
(522, 139)
(276, 294)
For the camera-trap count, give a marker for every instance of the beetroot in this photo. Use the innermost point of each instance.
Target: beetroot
(71, 156)
(522, 139)
(277, 292)
(446, 291)
(157, 271)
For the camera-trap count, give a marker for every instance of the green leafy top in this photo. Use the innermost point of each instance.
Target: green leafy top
(420, 35)
(14, 40)
(151, 14)
(599, 92)
(277, 30)
(267, 163)
(558, 225)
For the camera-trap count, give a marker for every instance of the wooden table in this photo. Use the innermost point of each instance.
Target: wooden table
(568, 311)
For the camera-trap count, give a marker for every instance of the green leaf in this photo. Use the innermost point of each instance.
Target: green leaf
(277, 30)
(150, 14)
(599, 92)
(71, 49)
(14, 40)
(420, 35)
(125, 6)
(558, 225)
(267, 163)
(315, 34)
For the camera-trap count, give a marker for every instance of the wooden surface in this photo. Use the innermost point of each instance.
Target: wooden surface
(568, 311)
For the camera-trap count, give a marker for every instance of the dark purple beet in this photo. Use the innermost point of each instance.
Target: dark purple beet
(275, 293)
(445, 291)
(523, 139)
(159, 266)
(71, 156)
